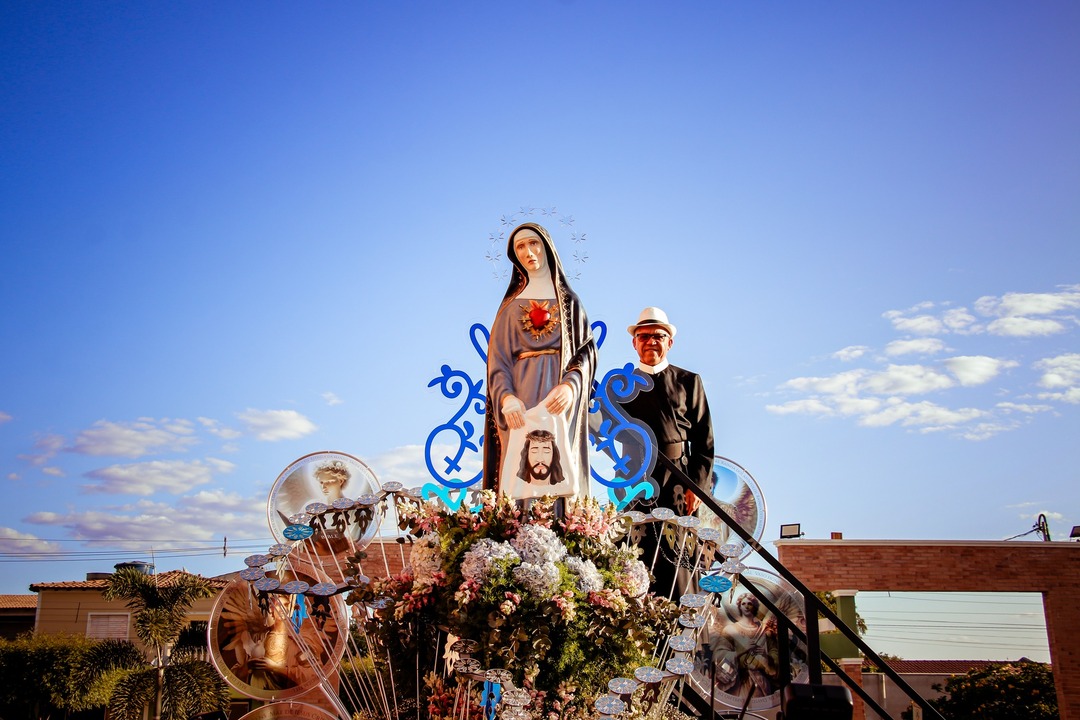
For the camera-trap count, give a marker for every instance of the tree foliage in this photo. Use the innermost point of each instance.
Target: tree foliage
(1023, 690)
(188, 685)
(43, 676)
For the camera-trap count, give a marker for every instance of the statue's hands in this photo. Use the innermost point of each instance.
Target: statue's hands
(513, 412)
(692, 503)
(559, 399)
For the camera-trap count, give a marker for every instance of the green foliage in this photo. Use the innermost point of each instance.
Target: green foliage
(188, 686)
(1022, 690)
(160, 611)
(46, 675)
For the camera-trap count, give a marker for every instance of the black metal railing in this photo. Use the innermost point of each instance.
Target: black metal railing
(813, 607)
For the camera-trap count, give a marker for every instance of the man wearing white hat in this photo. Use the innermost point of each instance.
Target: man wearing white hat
(678, 413)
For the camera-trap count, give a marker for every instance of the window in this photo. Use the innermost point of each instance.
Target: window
(107, 626)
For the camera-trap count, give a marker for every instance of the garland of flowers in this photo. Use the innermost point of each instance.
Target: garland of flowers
(556, 600)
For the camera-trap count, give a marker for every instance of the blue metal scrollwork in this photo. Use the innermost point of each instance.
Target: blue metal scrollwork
(625, 441)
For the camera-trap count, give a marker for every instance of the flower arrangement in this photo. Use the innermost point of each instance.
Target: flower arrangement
(556, 599)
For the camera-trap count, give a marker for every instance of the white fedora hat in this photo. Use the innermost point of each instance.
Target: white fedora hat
(652, 316)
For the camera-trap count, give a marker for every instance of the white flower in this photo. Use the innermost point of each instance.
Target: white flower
(633, 577)
(588, 577)
(538, 544)
(425, 558)
(540, 580)
(479, 560)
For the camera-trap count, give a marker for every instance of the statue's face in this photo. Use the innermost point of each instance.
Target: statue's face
(330, 484)
(529, 249)
(652, 343)
(540, 454)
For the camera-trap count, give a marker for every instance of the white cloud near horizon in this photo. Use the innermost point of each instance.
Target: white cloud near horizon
(274, 425)
(202, 516)
(45, 449)
(134, 439)
(13, 542)
(4, 417)
(331, 398)
(216, 429)
(171, 476)
(883, 393)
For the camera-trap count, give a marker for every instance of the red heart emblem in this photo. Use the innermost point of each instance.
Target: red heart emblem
(539, 317)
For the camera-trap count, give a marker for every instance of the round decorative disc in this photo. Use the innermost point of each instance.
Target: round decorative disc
(252, 574)
(267, 584)
(257, 560)
(648, 674)
(730, 550)
(688, 620)
(682, 643)
(343, 503)
(358, 580)
(516, 697)
(663, 513)
(465, 647)
(280, 549)
(623, 686)
(679, 666)
(688, 521)
(298, 532)
(732, 566)
(316, 508)
(467, 666)
(610, 705)
(392, 486)
(636, 516)
(296, 587)
(324, 588)
(300, 518)
(378, 604)
(693, 600)
(708, 534)
(715, 583)
(368, 499)
(498, 675)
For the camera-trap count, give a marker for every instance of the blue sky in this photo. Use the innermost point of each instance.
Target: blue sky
(238, 234)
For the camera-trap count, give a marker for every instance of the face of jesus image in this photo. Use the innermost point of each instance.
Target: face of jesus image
(540, 461)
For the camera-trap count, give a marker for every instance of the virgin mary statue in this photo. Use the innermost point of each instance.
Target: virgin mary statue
(541, 360)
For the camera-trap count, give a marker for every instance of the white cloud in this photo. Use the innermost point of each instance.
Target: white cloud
(1018, 304)
(134, 439)
(13, 542)
(273, 425)
(331, 398)
(960, 321)
(1062, 371)
(4, 417)
(171, 476)
(922, 413)
(1023, 408)
(216, 429)
(46, 447)
(920, 346)
(203, 516)
(851, 352)
(1025, 327)
(1072, 395)
(53, 470)
(917, 325)
(809, 406)
(977, 369)
(906, 380)
(845, 383)
(13, 476)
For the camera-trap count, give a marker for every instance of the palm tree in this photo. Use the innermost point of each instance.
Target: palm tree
(180, 684)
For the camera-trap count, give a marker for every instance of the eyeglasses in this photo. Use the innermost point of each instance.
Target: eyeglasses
(646, 337)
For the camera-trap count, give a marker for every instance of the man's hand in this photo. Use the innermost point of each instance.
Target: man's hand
(559, 399)
(513, 412)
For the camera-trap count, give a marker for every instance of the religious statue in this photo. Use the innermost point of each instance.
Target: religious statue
(541, 360)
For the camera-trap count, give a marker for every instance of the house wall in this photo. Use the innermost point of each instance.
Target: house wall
(68, 611)
(1050, 568)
